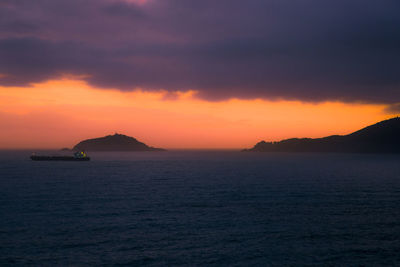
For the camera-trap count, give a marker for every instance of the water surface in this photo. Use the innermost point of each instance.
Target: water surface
(201, 208)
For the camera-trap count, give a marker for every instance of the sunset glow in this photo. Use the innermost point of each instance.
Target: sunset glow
(199, 132)
(194, 74)
(60, 113)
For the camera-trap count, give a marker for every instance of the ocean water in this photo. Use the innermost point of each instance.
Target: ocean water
(201, 208)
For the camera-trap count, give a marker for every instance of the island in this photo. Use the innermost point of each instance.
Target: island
(116, 142)
(382, 137)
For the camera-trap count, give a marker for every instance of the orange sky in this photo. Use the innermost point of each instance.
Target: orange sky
(60, 113)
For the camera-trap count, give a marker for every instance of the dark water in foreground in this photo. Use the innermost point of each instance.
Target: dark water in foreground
(201, 208)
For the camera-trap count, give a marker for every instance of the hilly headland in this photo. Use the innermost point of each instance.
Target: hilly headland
(116, 142)
(382, 137)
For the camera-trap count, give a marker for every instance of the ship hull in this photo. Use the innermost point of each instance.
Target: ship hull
(58, 158)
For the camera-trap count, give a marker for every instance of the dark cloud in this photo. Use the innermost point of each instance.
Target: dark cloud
(123, 9)
(311, 50)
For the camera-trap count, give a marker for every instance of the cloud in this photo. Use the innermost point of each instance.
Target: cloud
(393, 109)
(312, 50)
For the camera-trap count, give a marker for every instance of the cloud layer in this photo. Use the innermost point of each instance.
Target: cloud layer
(309, 50)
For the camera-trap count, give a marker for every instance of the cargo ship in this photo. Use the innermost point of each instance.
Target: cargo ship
(78, 156)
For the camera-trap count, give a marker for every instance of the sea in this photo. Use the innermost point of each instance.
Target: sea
(201, 208)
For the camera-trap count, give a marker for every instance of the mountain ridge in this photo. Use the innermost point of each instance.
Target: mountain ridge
(381, 137)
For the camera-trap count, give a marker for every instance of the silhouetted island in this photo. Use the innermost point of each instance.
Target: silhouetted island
(116, 142)
(382, 137)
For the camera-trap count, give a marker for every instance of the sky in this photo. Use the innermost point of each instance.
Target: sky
(195, 74)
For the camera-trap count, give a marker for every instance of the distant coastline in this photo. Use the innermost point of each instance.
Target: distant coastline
(382, 137)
